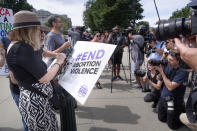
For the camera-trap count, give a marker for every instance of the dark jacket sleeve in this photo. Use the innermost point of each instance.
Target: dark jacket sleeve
(31, 61)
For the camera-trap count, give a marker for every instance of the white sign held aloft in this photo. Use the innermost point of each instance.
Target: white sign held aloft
(86, 65)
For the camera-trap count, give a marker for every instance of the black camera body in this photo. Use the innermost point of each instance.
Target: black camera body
(155, 62)
(127, 31)
(140, 73)
(149, 37)
(81, 28)
(169, 29)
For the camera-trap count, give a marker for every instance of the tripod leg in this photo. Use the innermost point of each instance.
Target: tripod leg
(129, 64)
(112, 75)
(124, 73)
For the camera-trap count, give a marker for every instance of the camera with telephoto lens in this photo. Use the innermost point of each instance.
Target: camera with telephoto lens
(148, 38)
(81, 28)
(154, 62)
(169, 29)
(140, 73)
(170, 104)
(127, 31)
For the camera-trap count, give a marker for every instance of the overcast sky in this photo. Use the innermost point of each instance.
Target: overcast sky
(74, 8)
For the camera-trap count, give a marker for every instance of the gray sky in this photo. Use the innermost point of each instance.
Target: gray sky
(74, 8)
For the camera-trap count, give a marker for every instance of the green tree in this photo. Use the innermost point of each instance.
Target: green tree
(66, 25)
(105, 14)
(16, 5)
(145, 23)
(184, 12)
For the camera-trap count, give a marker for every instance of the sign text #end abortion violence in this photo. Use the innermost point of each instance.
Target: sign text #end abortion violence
(88, 62)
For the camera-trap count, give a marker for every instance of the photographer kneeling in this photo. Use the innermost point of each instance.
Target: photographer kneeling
(171, 102)
(155, 82)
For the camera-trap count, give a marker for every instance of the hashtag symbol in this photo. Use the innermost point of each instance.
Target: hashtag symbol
(79, 57)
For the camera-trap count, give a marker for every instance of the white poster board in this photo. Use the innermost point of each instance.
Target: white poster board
(86, 65)
(6, 24)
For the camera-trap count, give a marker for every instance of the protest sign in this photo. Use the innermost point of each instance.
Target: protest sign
(86, 65)
(6, 24)
(6, 21)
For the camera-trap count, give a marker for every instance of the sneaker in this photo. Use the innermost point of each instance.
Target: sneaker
(146, 90)
(114, 78)
(98, 85)
(139, 87)
(119, 77)
(134, 81)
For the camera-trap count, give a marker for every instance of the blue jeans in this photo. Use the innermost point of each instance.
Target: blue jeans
(16, 99)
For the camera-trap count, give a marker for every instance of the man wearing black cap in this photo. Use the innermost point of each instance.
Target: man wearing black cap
(117, 39)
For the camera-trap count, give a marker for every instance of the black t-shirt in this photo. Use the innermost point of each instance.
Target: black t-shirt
(117, 39)
(175, 75)
(25, 63)
(153, 79)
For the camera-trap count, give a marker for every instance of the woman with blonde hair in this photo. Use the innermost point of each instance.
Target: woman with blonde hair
(24, 59)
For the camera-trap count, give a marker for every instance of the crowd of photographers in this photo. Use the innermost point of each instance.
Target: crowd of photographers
(170, 63)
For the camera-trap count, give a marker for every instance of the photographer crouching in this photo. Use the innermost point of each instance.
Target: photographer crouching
(171, 102)
(155, 81)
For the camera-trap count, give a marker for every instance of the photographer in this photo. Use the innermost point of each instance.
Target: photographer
(137, 52)
(86, 36)
(157, 47)
(75, 35)
(155, 81)
(116, 38)
(189, 55)
(169, 46)
(171, 103)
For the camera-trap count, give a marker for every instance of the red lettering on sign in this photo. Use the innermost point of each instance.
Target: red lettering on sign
(4, 12)
(7, 12)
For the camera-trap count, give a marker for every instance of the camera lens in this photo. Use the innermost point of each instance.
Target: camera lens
(172, 28)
